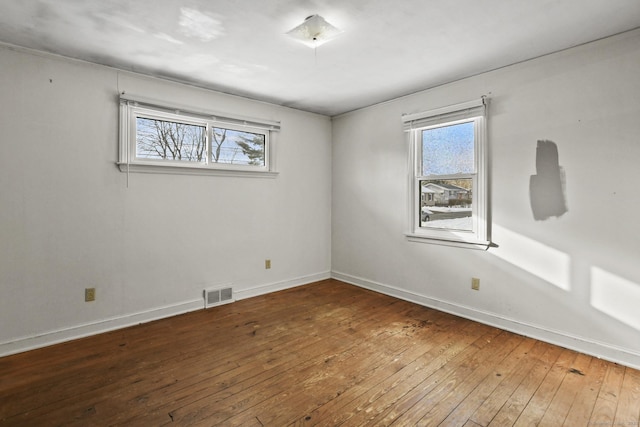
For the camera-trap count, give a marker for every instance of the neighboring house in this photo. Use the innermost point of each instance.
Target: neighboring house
(441, 194)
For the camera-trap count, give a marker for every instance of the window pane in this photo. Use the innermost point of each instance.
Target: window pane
(165, 140)
(446, 203)
(237, 147)
(448, 150)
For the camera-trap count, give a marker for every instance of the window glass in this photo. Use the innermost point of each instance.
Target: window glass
(167, 140)
(448, 150)
(446, 203)
(237, 147)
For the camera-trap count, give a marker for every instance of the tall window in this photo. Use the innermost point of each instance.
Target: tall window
(448, 189)
(164, 140)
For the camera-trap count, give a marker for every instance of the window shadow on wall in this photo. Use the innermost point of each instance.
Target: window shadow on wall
(547, 186)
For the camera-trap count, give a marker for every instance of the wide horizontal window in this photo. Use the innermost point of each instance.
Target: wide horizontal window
(448, 187)
(160, 139)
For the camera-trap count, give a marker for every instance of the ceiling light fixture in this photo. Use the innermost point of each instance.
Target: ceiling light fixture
(314, 31)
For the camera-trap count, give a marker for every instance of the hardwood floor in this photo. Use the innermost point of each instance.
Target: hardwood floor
(322, 354)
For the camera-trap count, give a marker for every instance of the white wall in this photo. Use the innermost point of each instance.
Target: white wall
(573, 280)
(68, 220)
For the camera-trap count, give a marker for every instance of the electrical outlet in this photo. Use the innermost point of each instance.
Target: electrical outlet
(267, 264)
(475, 284)
(89, 294)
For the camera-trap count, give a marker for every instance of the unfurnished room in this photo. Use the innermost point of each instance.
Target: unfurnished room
(331, 213)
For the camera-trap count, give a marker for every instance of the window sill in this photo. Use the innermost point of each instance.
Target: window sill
(186, 170)
(481, 245)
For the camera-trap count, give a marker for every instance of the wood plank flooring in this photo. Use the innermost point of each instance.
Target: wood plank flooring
(325, 354)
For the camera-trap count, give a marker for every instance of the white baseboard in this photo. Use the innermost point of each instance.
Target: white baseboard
(80, 331)
(279, 286)
(584, 345)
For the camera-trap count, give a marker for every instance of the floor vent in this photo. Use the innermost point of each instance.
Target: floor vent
(213, 297)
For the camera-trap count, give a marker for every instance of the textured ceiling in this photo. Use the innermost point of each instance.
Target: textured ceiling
(388, 49)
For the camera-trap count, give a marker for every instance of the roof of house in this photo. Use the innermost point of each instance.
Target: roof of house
(449, 187)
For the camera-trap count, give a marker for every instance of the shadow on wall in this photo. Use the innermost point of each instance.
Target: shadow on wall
(547, 187)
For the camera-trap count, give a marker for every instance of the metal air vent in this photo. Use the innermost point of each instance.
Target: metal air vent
(219, 296)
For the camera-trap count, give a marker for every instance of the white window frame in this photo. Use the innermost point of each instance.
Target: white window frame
(132, 108)
(473, 111)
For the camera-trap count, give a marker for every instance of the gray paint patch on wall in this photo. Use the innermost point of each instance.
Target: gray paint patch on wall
(547, 187)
